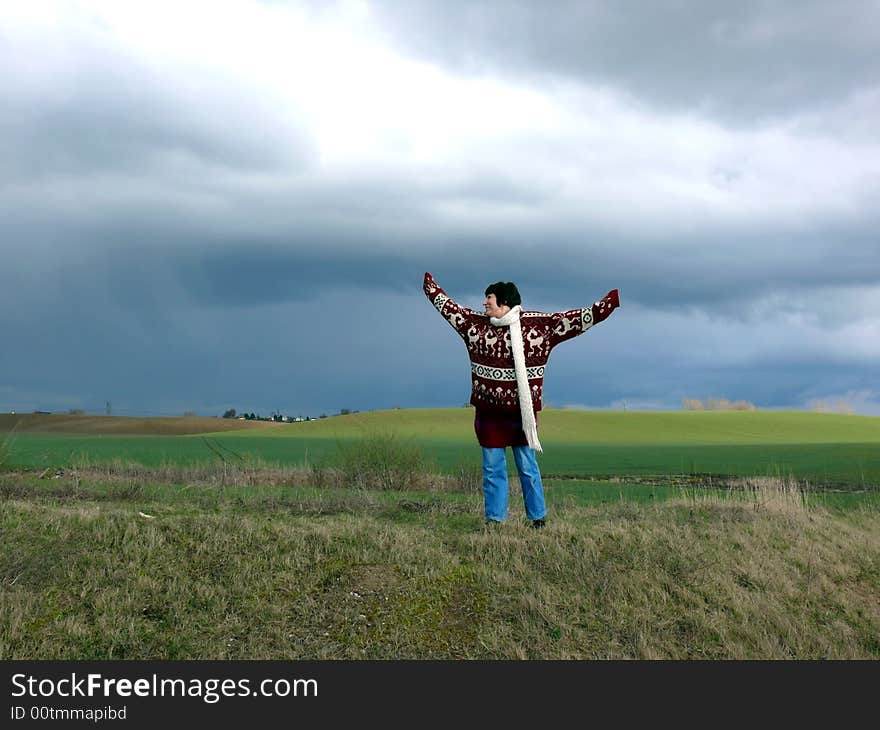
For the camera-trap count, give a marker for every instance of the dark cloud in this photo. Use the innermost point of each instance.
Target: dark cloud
(342, 349)
(149, 340)
(744, 62)
(290, 251)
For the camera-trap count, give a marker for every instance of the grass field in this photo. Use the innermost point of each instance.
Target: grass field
(362, 538)
(259, 563)
(829, 450)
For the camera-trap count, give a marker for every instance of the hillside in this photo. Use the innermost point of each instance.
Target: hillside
(556, 426)
(123, 425)
(678, 428)
(831, 450)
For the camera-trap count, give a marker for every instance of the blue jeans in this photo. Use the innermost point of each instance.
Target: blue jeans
(495, 482)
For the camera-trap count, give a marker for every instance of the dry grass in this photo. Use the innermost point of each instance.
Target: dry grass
(246, 474)
(302, 573)
(716, 404)
(781, 495)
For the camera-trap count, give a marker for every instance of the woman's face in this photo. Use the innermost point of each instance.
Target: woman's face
(493, 309)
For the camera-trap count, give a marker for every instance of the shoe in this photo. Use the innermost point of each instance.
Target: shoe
(492, 523)
(539, 523)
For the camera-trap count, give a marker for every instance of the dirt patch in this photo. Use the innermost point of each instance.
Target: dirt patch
(373, 579)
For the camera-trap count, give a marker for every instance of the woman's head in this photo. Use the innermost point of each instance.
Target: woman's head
(500, 298)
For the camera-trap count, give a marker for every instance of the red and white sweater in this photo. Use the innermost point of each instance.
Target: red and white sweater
(493, 377)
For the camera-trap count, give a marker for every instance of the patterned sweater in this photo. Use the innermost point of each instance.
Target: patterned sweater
(493, 378)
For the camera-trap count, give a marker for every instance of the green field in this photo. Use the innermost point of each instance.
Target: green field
(827, 450)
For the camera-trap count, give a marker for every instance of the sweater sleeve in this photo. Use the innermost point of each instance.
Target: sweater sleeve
(575, 322)
(459, 317)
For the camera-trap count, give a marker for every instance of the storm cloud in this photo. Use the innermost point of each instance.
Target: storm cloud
(744, 62)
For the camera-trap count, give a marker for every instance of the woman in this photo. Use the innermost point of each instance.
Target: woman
(508, 350)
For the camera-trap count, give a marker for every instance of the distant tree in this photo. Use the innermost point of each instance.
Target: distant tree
(344, 411)
(76, 411)
(229, 414)
(323, 415)
(189, 414)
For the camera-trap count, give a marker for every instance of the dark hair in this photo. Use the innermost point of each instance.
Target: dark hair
(505, 293)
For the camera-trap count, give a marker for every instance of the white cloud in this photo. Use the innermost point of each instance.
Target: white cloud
(588, 153)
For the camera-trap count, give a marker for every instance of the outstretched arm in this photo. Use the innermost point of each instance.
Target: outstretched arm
(459, 317)
(575, 322)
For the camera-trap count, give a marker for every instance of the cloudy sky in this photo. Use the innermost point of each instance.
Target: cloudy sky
(210, 205)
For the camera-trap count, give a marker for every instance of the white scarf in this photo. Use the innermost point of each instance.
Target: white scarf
(522, 382)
